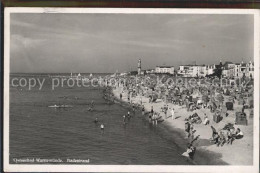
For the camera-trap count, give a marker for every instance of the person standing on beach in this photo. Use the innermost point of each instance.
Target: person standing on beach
(152, 110)
(172, 113)
(154, 118)
(128, 97)
(206, 120)
(165, 113)
(121, 96)
(143, 110)
(214, 132)
(133, 108)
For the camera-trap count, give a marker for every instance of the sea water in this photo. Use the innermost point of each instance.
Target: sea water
(39, 131)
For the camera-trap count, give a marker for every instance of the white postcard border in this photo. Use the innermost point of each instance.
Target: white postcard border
(127, 168)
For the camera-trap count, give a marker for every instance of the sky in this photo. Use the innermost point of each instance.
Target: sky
(105, 43)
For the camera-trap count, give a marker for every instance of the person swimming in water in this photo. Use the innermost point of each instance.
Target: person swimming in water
(124, 119)
(96, 120)
(102, 127)
(133, 108)
(92, 104)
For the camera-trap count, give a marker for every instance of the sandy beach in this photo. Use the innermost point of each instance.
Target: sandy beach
(230, 154)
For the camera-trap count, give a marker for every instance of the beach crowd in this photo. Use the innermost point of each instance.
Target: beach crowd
(201, 103)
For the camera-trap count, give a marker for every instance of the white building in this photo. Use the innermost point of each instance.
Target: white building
(251, 69)
(247, 70)
(195, 70)
(238, 70)
(210, 69)
(228, 70)
(164, 69)
(150, 71)
(201, 70)
(185, 70)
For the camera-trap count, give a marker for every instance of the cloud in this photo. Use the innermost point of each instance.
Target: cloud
(25, 42)
(92, 43)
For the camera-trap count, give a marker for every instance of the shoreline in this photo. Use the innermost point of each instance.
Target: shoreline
(206, 153)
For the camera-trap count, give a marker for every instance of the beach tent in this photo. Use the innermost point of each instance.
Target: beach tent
(214, 106)
(190, 98)
(220, 98)
(229, 105)
(251, 113)
(240, 101)
(195, 100)
(217, 104)
(230, 99)
(183, 97)
(191, 106)
(205, 98)
(228, 126)
(187, 104)
(250, 102)
(224, 111)
(174, 98)
(241, 118)
(217, 116)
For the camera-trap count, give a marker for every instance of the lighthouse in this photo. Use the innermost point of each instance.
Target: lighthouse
(139, 67)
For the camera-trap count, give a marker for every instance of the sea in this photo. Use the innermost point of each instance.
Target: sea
(40, 131)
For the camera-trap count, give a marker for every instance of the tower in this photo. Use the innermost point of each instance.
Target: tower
(139, 67)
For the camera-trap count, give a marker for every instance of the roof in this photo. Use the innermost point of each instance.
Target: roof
(189, 65)
(165, 66)
(226, 68)
(227, 62)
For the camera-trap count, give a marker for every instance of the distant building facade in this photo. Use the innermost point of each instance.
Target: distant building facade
(164, 69)
(195, 70)
(238, 70)
(229, 70)
(210, 69)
